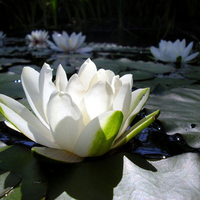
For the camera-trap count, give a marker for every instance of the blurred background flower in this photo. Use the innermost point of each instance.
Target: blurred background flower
(67, 44)
(37, 38)
(2, 36)
(173, 51)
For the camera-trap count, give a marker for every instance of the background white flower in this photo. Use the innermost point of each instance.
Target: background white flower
(173, 52)
(37, 38)
(84, 116)
(66, 43)
(2, 35)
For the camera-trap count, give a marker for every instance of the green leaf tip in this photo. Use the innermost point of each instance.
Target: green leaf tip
(136, 128)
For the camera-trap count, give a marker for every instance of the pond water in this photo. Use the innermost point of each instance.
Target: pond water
(154, 142)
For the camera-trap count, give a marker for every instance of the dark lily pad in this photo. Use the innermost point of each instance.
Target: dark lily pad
(12, 89)
(20, 161)
(17, 69)
(152, 67)
(8, 181)
(179, 109)
(138, 75)
(164, 82)
(11, 61)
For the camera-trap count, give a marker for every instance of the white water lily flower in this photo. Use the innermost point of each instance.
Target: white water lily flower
(2, 35)
(66, 43)
(37, 38)
(173, 52)
(84, 116)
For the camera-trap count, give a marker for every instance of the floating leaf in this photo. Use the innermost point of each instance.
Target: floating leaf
(179, 109)
(152, 67)
(138, 75)
(8, 181)
(174, 178)
(19, 160)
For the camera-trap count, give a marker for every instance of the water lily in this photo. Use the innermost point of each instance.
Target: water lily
(173, 52)
(37, 38)
(2, 35)
(85, 116)
(66, 43)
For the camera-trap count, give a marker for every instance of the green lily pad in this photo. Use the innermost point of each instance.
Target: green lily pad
(126, 176)
(11, 61)
(20, 161)
(152, 67)
(9, 77)
(179, 112)
(17, 69)
(109, 64)
(173, 178)
(12, 89)
(8, 180)
(138, 75)
(164, 82)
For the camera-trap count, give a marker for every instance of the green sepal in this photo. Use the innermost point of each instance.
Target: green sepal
(136, 128)
(179, 59)
(105, 136)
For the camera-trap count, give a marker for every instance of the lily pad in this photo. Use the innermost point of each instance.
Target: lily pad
(173, 178)
(138, 75)
(164, 82)
(8, 180)
(20, 161)
(152, 67)
(179, 112)
(17, 69)
(11, 61)
(12, 89)
(109, 64)
(8, 77)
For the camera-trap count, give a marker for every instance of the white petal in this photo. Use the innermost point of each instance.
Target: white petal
(84, 50)
(111, 75)
(87, 71)
(186, 51)
(56, 37)
(65, 35)
(46, 87)
(97, 137)
(65, 120)
(98, 99)
(123, 100)
(139, 98)
(75, 41)
(30, 83)
(156, 53)
(61, 79)
(182, 45)
(76, 88)
(101, 75)
(191, 57)
(116, 85)
(25, 121)
(81, 41)
(127, 78)
(54, 47)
